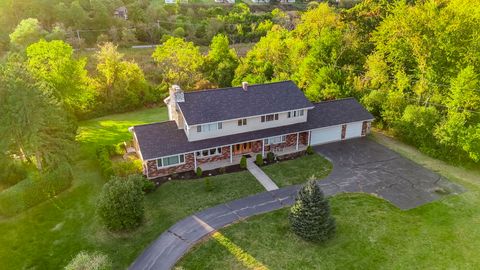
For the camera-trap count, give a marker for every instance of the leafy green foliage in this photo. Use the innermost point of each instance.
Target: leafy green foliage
(310, 216)
(270, 157)
(127, 167)
(243, 162)
(259, 160)
(89, 260)
(105, 162)
(310, 150)
(209, 185)
(121, 84)
(221, 62)
(148, 186)
(120, 205)
(199, 172)
(27, 32)
(179, 62)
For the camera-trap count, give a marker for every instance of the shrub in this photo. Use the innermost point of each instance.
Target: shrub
(120, 205)
(208, 185)
(310, 216)
(309, 150)
(148, 186)
(126, 168)
(243, 162)
(104, 162)
(199, 172)
(11, 173)
(34, 190)
(222, 170)
(91, 261)
(270, 157)
(259, 160)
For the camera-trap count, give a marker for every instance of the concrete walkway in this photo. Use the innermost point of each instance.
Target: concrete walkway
(359, 166)
(263, 178)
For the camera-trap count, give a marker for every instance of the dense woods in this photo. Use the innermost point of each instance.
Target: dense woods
(414, 65)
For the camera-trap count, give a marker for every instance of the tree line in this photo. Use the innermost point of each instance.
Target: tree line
(84, 23)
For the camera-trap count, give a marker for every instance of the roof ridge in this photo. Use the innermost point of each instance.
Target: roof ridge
(334, 100)
(233, 87)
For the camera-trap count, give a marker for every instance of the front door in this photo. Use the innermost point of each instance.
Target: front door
(242, 148)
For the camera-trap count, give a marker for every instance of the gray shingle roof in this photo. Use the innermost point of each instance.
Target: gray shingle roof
(230, 103)
(163, 139)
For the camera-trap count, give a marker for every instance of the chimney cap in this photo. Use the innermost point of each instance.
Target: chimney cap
(245, 86)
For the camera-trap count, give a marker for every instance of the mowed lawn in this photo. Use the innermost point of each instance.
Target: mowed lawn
(49, 235)
(297, 171)
(372, 233)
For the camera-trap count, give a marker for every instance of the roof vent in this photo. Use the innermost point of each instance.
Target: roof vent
(245, 86)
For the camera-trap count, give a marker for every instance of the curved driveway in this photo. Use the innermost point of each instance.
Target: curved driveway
(359, 165)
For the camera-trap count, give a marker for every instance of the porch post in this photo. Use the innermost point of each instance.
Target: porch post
(263, 147)
(195, 159)
(296, 147)
(231, 155)
(309, 137)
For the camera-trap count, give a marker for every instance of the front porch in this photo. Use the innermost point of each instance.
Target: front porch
(278, 150)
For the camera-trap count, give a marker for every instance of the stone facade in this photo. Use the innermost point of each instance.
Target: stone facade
(303, 138)
(225, 155)
(154, 172)
(257, 146)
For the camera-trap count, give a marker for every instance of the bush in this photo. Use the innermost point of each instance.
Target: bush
(310, 216)
(104, 161)
(208, 185)
(270, 157)
(148, 186)
(222, 170)
(126, 168)
(243, 162)
(259, 160)
(310, 150)
(11, 173)
(90, 261)
(120, 205)
(199, 172)
(34, 190)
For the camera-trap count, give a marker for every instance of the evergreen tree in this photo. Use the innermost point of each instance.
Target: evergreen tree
(310, 216)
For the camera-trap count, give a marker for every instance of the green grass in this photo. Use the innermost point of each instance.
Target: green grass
(298, 170)
(49, 235)
(372, 233)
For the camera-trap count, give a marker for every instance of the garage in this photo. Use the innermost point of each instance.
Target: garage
(325, 135)
(353, 130)
(334, 133)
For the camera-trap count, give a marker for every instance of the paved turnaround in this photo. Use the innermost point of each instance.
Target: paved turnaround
(359, 165)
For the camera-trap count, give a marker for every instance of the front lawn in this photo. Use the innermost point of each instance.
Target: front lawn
(372, 233)
(49, 235)
(298, 170)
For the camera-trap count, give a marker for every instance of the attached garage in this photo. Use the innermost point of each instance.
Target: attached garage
(353, 130)
(334, 133)
(325, 135)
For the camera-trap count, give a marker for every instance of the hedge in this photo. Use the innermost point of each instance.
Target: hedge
(103, 157)
(34, 190)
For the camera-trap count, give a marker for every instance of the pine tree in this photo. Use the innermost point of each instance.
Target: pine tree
(310, 216)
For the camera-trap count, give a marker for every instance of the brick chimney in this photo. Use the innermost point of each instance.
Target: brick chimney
(176, 96)
(245, 86)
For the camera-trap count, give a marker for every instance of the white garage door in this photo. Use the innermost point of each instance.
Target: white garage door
(324, 135)
(353, 130)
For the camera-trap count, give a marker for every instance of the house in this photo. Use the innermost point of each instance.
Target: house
(121, 12)
(214, 128)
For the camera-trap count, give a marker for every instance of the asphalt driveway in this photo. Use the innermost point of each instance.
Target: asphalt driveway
(362, 165)
(359, 165)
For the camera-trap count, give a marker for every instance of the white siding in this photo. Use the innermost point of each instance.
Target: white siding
(325, 135)
(353, 130)
(254, 123)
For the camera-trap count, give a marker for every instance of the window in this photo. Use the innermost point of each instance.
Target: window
(209, 152)
(269, 117)
(209, 127)
(275, 140)
(242, 122)
(170, 161)
(295, 113)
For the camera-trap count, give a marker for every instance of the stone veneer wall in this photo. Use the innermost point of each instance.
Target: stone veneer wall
(153, 172)
(225, 155)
